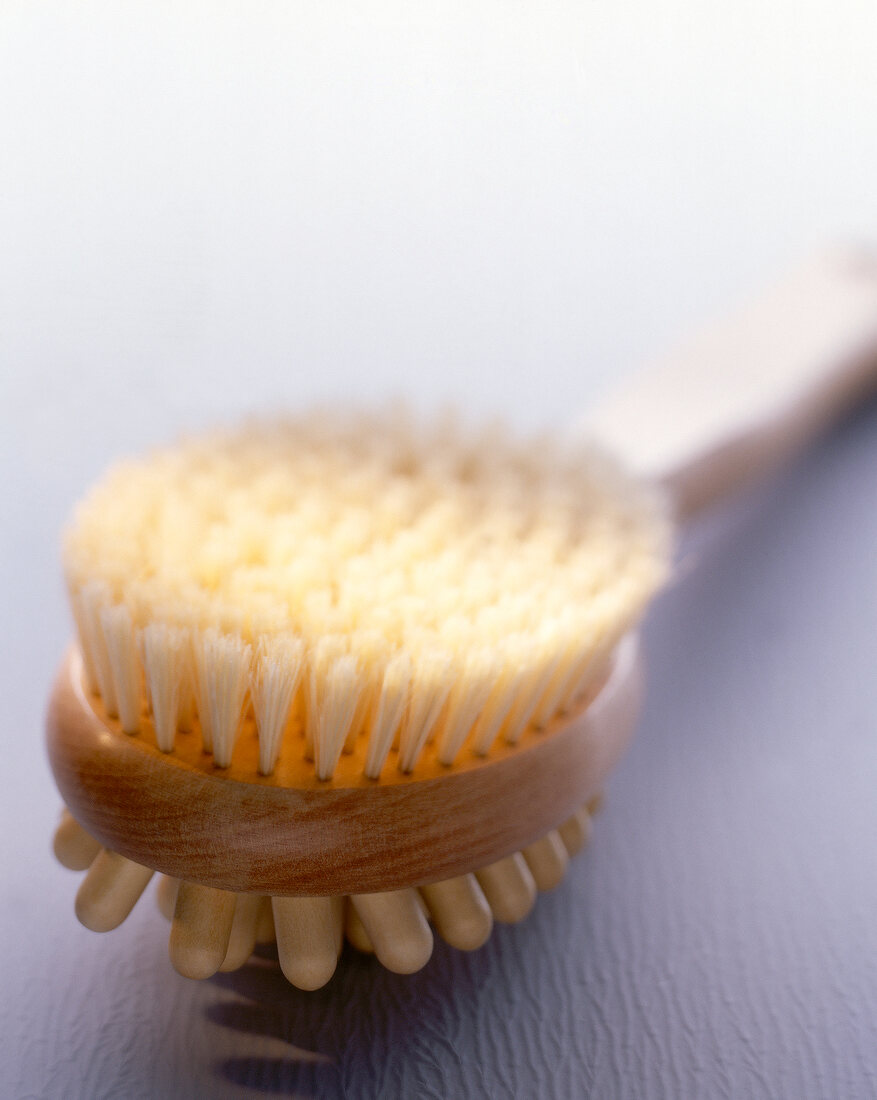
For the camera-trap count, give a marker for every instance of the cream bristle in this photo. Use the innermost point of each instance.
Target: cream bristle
(370, 649)
(493, 577)
(532, 687)
(275, 678)
(118, 630)
(165, 654)
(201, 690)
(572, 644)
(225, 661)
(94, 597)
(186, 716)
(392, 699)
(587, 674)
(591, 663)
(89, 671)
(431, 683)
(466, 701)
(327, 649)
(497, 706)
(559, 688)
(336, 692)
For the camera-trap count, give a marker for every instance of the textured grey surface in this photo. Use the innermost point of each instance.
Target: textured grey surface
(718, 940)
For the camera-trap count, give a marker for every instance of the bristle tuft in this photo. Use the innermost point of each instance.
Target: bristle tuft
(94, 598)
(335, 690)
(431, 683)
(225, 661)
(276, 674)
(165, 652)
(392, 700)
(119, 638)
(467, 699)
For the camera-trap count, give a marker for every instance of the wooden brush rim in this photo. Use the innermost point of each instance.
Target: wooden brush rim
(208, 825)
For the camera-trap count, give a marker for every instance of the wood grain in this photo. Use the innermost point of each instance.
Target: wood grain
(348, 835)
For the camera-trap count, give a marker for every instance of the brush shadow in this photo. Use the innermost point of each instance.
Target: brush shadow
(369, 1032)
(339, 1040)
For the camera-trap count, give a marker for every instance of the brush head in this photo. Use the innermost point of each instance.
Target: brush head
(350, 673)
(409, 594)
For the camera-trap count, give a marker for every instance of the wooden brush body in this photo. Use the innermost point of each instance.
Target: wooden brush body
(292, 834)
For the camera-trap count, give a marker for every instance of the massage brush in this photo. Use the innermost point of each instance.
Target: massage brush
(354, 675)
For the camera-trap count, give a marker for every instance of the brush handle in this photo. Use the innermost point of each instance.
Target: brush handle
(751, 391)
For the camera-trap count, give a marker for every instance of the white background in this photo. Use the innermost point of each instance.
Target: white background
(210, 206)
